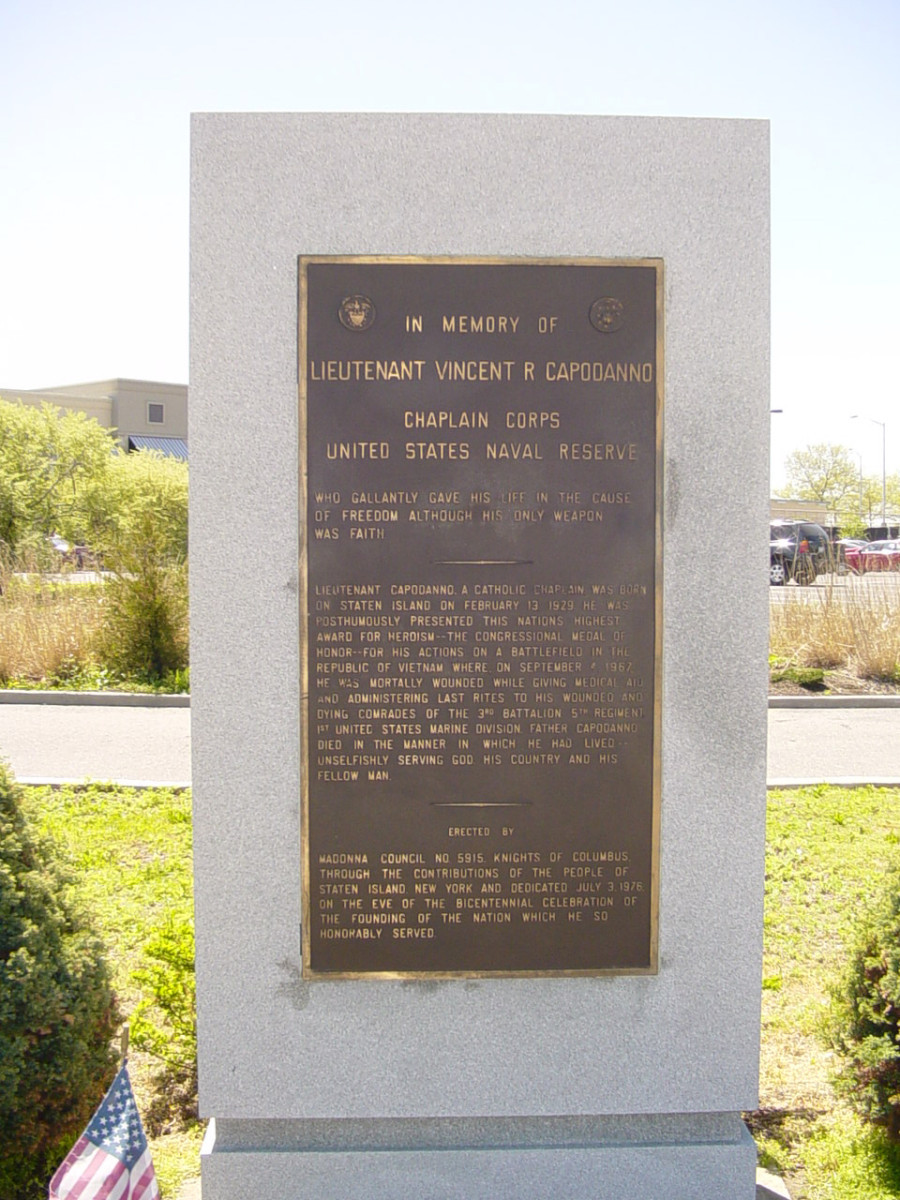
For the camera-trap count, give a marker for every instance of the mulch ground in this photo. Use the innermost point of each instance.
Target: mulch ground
(836, 683)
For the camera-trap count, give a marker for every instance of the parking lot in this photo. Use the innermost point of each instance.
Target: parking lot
(877, 587)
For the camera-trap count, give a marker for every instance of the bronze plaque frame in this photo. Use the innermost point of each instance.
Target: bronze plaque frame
(481, 615)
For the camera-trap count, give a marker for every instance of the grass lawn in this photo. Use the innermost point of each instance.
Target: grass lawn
(828, 851)
(130, 852)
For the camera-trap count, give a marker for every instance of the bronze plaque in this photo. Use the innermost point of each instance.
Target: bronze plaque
(481, 615)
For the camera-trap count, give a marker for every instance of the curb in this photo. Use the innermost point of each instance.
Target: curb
(850, 781)
(105, 699)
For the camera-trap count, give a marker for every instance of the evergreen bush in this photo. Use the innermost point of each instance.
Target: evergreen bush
(57, 1010)
(866, 1016)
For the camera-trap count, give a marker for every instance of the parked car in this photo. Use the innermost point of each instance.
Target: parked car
(799, 551)
(849, 550)
(790, 561)
(880, 556)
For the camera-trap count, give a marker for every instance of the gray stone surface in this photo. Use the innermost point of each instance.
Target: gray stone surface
(677, 1171)
(265, 189)
(768, 1187)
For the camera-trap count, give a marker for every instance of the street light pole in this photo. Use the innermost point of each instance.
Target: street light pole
(883, 473)
(855, 417)
(858, 454)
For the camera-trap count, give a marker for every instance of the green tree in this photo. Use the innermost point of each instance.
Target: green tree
(57, 1011)
(825, 473)
(62, 472)
(140, 493)
(852, 525)
(870, 502)
(52, 468)
(870, 499)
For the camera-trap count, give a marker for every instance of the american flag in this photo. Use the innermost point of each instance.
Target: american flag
(111, 1160)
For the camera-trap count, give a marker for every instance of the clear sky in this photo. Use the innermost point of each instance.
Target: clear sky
(94, 152)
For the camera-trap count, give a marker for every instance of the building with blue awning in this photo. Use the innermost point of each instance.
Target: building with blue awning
(143, 413)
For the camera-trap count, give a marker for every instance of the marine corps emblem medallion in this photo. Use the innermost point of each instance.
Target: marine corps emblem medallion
(356, 312)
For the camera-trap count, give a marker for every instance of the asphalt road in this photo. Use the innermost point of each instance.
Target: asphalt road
(55, 743)
(834, 743)
(874, 588)
(143, 743)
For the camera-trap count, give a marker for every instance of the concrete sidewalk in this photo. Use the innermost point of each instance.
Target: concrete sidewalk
(52, 737)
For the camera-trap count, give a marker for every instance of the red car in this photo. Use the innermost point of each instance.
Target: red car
(880, 556)
(848, 552)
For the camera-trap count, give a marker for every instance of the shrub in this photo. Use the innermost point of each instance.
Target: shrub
(146, 633)
(812, 678)
(57, 1010)
(866, 1017)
